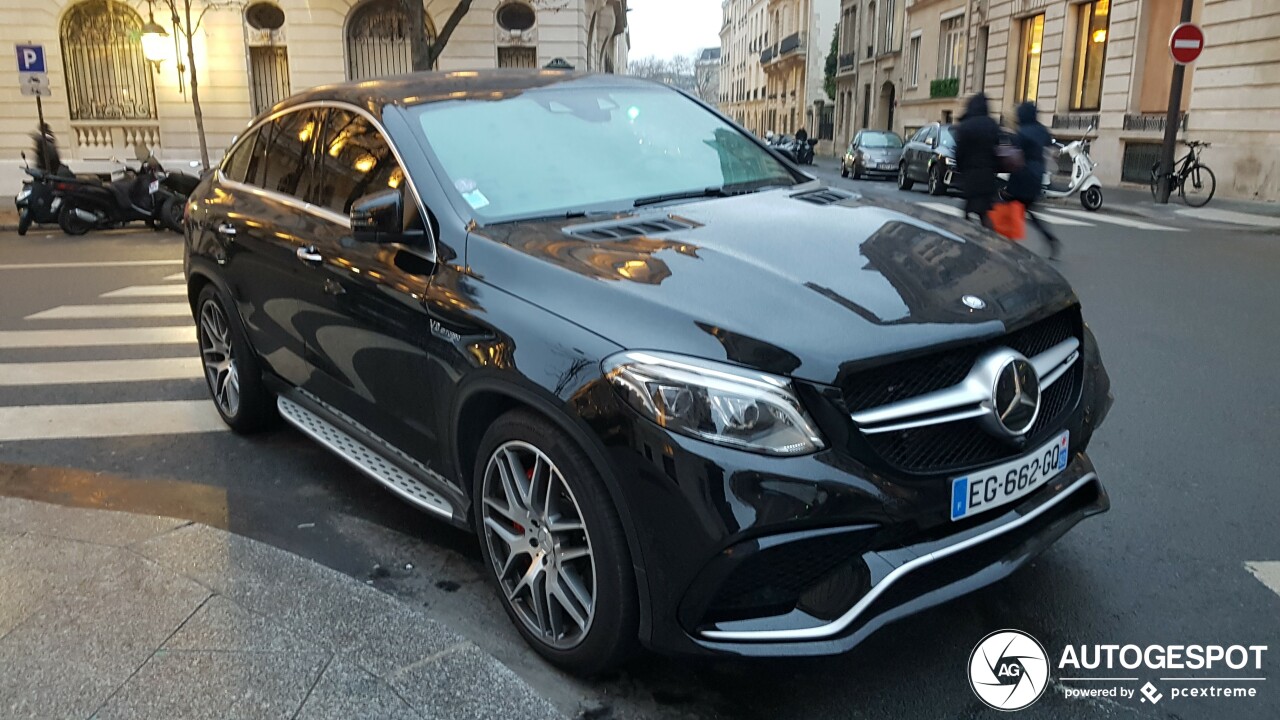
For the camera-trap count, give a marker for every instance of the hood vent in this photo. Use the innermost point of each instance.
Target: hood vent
(629, 228)
(825, 196)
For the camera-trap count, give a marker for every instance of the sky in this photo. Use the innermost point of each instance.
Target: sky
(666, 28)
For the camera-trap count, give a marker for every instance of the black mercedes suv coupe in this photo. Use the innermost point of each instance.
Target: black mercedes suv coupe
(685, 395)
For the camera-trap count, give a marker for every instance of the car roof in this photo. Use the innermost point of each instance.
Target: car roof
(428, 87)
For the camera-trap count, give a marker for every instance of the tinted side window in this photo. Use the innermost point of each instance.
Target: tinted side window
(932, 134)
(353, 160)
(288, 163)
(920, 134)
(237, 163)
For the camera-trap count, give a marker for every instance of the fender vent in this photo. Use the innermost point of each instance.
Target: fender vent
(825, 196)
(629, 228)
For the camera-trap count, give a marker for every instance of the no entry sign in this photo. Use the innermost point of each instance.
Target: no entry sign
(1185, 43)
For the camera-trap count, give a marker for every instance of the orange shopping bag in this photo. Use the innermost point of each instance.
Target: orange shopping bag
(1009, 218)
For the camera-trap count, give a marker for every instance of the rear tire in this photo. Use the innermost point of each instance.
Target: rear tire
(171, 214)
(71, 223)
(231, 368)
(579, 518)
(904, 181)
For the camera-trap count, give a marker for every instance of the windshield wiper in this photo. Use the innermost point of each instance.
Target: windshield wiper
(685, 195)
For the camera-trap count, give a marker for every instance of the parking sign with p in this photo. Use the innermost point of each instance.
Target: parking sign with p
(30, 58)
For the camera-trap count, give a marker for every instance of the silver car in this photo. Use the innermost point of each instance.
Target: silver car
(872, 153)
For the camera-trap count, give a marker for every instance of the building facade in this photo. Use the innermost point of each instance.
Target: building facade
(743, 34)
(934, 64)
(1106, 63)
(706, 73)
(107, 94)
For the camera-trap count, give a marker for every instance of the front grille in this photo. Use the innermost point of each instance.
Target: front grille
(955, 446)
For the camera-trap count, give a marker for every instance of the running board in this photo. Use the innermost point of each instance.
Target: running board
(371, 462)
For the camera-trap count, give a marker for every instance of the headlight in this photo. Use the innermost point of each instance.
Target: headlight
(715, 402)
(951, 162)
(25, 192)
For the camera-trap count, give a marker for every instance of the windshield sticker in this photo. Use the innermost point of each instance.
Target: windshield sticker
(475, 199)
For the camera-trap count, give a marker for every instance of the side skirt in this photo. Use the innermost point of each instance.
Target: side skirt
(409, 479)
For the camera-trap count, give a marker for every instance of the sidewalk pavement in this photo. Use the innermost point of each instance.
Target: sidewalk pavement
(1137, 201)
(108, 615)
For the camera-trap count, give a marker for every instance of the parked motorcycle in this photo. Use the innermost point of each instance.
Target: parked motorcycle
(1083, 180)
(148, 194)
(798, 152)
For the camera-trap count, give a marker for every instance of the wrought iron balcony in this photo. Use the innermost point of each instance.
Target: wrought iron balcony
(790, 44)
(846, 61)
(1149, 122)
(1075, 121)
(766, 55)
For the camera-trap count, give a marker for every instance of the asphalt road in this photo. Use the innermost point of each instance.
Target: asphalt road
(1189, 325)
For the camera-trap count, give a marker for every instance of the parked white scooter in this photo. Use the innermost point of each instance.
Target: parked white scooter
(1083, 180)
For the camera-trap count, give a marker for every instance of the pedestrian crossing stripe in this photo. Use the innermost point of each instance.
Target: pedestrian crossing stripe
(175, 276)
(943, 208)
(1115, 220)
(87, 312)
(90, 264)
(100, 371)
(141, 291)
(97, 337)
(102, 420)
(1268, 573)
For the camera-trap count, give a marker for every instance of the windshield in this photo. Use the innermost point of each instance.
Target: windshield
(575, 148)
(947, 139)
(881, 140)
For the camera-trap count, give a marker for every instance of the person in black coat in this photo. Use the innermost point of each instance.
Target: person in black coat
(976, 138)
(1025, 184)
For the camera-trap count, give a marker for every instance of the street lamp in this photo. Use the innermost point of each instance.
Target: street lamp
(153, 40)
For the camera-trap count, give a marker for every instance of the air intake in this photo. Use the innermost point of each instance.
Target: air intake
(629, 228)
(825, 196)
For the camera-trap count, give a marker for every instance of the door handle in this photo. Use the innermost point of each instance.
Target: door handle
(308, 254)
(227, 230)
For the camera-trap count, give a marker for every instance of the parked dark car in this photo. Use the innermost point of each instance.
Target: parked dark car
(929, 157)
(873, 153)
(684, 394)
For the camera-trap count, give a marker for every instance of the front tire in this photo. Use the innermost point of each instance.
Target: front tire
(554, 545)
(71, 222)
(904, 181)
(24, 220)
(844, 169)
(171, 214)
(1091, 199)
(231, 369)
(937, 183)
(1198, 186)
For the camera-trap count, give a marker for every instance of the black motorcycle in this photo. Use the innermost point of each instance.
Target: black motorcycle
(149, 194)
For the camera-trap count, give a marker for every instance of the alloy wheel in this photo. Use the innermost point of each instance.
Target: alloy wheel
(539, 545)
(219, 358)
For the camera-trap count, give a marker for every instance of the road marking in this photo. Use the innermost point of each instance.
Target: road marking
(1054, 220)
(97, 337)
(943, 208)
(64, 422)
(1115, 220)
(1266, 572)
(175, 276)
(84, 312)
(102, 264)
(1230, 216)
(147, 291)
(100, 371)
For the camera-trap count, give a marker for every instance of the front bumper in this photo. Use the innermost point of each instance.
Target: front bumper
(753, 555)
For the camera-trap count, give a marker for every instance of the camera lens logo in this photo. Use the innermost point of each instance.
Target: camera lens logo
(1008, 670)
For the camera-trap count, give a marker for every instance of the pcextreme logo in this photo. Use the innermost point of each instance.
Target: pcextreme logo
(1009, 670)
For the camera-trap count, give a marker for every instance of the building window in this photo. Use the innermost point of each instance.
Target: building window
(1029, 63)
(378, 39)
(107, 76)
(517, 57)
(951, 48)
(888, 26)
(913, 62)
(268, 75)
(1091, 53)
(516, 16)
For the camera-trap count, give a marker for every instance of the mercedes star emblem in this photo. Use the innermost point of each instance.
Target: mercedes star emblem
(974, 302)
(1015, 400)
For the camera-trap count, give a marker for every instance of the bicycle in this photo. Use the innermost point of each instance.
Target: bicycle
(1202, 182)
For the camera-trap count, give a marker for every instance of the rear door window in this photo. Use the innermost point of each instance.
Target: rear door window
(237, 164)
(288, 166)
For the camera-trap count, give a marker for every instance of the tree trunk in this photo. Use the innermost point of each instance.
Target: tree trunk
(418, 42)
(189, 33)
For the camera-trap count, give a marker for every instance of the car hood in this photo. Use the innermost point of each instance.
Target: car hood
(777, 282)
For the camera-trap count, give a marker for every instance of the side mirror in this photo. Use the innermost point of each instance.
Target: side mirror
(378, 217)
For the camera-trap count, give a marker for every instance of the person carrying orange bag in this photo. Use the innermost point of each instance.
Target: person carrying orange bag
(1009, 218)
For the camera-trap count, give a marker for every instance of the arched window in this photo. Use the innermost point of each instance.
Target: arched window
(378, 40)
(107, 76)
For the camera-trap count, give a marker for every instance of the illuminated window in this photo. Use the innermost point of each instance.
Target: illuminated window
(1091, 54)
(1029, 65)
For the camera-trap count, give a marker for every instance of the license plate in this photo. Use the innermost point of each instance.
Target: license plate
(1002, 484)
(154, 186)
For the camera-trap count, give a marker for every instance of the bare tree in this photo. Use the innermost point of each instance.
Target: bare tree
(676, 71)
(187, 16)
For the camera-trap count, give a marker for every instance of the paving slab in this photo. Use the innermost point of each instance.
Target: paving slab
(108, 615)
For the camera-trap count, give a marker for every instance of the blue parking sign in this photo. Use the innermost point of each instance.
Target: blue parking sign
(30, 58)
